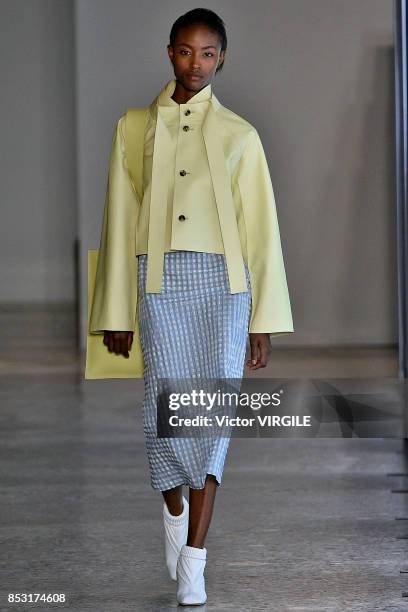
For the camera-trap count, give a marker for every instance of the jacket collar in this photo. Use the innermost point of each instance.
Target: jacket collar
(164, 98)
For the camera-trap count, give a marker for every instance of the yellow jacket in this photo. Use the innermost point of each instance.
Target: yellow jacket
(215, 173)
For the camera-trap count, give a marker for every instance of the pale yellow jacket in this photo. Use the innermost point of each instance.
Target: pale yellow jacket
(204, 162)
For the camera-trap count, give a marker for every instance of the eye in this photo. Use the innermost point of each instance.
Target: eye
(210, 54)
(183, 51)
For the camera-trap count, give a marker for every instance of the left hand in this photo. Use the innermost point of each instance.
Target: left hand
(260, 349)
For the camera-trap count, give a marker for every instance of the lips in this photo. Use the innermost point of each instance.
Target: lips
(194, 76)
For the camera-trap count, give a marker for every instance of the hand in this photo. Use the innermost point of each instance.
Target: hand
(260, 349)
(119, 342)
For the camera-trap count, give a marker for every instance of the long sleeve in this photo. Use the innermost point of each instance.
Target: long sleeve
(115, 295)
(271, 310)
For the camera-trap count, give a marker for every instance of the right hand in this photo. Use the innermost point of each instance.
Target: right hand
(119, 342)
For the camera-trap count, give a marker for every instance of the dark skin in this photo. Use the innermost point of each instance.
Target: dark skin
(197, 51)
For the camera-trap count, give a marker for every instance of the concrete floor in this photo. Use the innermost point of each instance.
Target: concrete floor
(299, 524)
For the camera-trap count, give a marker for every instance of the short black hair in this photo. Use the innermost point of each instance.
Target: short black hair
(204, 17)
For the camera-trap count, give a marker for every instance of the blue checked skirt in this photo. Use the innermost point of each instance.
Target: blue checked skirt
(194, 328)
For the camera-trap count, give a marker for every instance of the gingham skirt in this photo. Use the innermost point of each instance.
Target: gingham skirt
(194, 328)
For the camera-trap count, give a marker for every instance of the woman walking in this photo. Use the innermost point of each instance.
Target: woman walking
(209, 271)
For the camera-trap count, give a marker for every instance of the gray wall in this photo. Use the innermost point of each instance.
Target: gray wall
(37, 173)
(315, 78)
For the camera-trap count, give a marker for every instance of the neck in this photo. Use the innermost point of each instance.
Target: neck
(181, 95)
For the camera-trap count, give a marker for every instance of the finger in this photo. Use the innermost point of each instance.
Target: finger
(252, 362)
(263, 360)
(117, 344)
(249, 362)
(110, 343)
(254, 350)
(130, 341)
(256, 364)
(124, 345)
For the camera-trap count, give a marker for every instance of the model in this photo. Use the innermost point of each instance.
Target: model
(209, 270)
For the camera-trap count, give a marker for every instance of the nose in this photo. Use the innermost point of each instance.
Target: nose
(195, 64)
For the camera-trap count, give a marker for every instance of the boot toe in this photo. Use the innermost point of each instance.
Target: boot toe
(191, 600)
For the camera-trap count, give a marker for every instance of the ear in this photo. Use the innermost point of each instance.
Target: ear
(221, 60)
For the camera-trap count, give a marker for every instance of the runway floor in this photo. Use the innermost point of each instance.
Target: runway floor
(298, 525)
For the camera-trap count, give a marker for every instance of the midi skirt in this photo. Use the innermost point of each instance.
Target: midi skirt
(193, 328)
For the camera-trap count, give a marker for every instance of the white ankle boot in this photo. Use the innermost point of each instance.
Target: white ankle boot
(190, 576)
(175, 535)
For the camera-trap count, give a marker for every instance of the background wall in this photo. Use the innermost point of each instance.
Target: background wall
(37, 174)
(314, 77)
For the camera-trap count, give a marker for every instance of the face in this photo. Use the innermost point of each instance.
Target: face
(195, 56)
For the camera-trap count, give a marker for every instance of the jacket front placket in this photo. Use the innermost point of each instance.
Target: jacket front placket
(190, 166)
(221, 181)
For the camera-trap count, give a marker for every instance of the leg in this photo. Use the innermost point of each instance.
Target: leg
(174, 500)
(192, 559)
(201, 507)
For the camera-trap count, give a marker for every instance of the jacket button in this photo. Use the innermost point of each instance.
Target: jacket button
(182, 218)
(183, 173)
(185, 128)
(187, 112)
